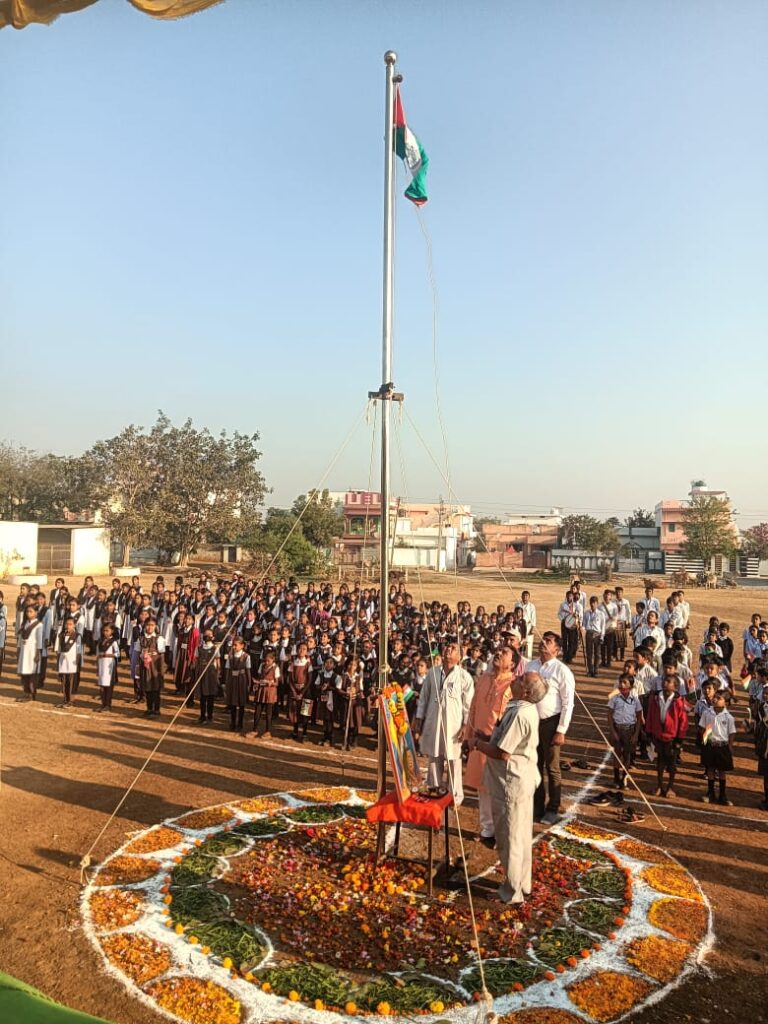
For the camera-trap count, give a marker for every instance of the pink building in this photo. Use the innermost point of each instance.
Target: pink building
(669, 516)
(669, 522)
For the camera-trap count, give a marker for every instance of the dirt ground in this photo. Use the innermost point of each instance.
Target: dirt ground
(63, 772)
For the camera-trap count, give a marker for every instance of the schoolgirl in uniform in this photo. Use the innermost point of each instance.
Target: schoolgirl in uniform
(353, 703)
(207, 676)
(30, 644)
(151, 667)
(265, 694)
(299, 699)
(68, 648)
(328, 684)
(89, 611)
(237, 684)
(704, 703)
(107, 657)
(188, 638)
(45, 616)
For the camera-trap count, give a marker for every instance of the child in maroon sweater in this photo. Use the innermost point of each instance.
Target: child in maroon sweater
(666, 724)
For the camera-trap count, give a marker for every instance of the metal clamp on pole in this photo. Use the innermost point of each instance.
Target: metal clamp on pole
(387, 393)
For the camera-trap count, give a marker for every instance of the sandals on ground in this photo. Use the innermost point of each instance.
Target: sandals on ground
(628, 816)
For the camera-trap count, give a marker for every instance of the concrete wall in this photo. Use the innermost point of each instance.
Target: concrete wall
(90, 552)
(18, 548)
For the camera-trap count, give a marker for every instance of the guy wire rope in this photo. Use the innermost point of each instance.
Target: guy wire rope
(85, 860)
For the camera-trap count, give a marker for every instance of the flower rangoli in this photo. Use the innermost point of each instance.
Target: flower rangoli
(271, 909)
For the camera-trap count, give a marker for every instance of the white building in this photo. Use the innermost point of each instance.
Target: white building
(76, 549)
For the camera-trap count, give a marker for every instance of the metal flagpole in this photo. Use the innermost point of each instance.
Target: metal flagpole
(386, 393)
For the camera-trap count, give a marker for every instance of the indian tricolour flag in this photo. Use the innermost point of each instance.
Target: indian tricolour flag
(411, 152)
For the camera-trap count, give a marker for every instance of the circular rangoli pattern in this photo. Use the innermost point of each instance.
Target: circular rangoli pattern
(270, 909)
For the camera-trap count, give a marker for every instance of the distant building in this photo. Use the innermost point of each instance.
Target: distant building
(524, 541)
(432, 535)
(670, 523)
(60, 549)
(639, 550)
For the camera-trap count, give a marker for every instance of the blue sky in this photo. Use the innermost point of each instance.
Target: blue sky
(192, 221)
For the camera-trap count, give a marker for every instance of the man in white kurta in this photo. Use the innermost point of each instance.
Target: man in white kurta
(511, 777)
(441, 717)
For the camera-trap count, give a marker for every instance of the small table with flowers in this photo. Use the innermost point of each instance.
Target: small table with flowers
(421, 812)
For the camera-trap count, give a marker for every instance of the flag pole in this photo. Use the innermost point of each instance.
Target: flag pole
(386, 395)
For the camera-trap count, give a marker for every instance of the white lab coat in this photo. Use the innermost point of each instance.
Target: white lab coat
(447, 699)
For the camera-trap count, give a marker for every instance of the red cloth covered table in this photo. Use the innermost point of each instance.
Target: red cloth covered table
(417, 811)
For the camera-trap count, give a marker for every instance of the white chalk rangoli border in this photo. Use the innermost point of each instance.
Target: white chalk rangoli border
(189, 961)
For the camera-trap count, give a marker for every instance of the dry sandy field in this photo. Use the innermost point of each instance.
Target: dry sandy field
(63, 772)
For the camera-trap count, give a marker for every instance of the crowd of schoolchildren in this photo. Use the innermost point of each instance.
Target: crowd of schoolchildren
(311, 654)
(669, 683)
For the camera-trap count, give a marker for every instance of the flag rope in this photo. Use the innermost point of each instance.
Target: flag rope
(600, 732)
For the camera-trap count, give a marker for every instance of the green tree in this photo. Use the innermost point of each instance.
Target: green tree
(708, 528)
(588, 534)
(42, 488)
(126, 475)
(322, 521)
(175, 486)
(14, 469)
(207, 486)
(641, 517)
(754, 541)
(281, 538)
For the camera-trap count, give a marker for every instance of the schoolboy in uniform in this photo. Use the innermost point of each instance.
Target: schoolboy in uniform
(717, 742)
(625, 718)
